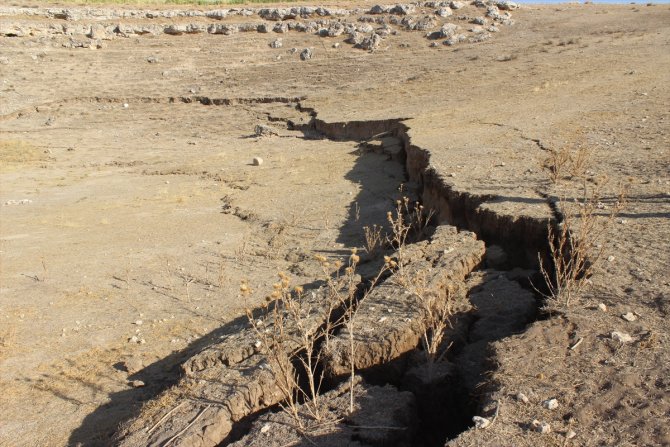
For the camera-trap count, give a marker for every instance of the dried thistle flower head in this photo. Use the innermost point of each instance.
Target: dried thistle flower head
(299, 290)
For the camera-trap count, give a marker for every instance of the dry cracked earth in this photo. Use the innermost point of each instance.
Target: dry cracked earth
(132, 208)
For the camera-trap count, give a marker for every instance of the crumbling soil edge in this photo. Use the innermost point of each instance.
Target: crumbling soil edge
(522, 237)
(457, 207)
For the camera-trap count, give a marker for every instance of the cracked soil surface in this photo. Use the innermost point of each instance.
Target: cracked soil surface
(131, 209)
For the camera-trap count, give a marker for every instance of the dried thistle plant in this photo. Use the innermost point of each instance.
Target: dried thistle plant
(433, 298)
(571, 160)
(295, 330)
(296, 326)
(374, 239)
(557, 163)
(575, 244)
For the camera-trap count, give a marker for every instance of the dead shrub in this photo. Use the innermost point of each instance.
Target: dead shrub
(575, 244)
(374, 239)
(569, 161)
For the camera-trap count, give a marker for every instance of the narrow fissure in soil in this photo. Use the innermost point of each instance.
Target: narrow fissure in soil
(489, 260)
(447, 397)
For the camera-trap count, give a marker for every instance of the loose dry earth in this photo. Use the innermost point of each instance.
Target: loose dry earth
(131, 209)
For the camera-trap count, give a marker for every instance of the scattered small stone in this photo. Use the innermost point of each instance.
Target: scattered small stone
(480, 422)
(621, 337)
(134, 339)
(277, 43)
(550, 404)
(336, 45)
(97, 31)
(610, 258)
(4, 60)
(258, 344)
(125, 105)
(522, 398)
(402, 9)
(137, 384)
(132, 365)
(138, 322)
(444, 12)
(264, 131)
(541, 427)
(507, 5)
(570, 434)
(257, 161)
(603, 307)
(306, 54)
(379, 9)
(629, 316)
(18, 202)
(152, 59)
(370, 43)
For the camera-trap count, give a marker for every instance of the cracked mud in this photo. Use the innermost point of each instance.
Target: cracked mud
(132, 209)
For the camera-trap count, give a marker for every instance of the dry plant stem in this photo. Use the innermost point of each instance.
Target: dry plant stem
(293, 330)
(169, 441)
(574, 246)
(153, 427)
(495, 415)
(434, 300)
(222, 272)
(373, 238)
(44, 269)
(568, 161)
(292, 326)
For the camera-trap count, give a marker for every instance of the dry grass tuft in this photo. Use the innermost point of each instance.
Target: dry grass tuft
(569, 161)
(295, 327)
(576, 244)
(374, 239)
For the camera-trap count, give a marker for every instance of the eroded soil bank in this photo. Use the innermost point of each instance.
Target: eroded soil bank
(131, 208)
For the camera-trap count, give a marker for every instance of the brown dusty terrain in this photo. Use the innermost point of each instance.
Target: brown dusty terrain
(131, 209)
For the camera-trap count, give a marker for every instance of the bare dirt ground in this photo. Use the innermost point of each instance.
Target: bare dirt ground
(131, 209)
